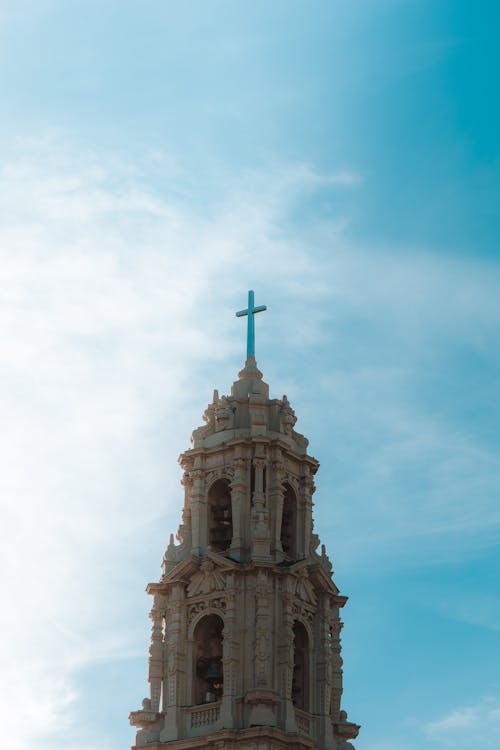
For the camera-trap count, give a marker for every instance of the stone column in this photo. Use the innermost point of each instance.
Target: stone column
(286, 660)
(308, 489)
(261, 537)
(323, 672)
(263, 631)
(176, 658)
(156, 657)
(198, 509)
(276, 494)
(263, 698)
(185, 529)
(238, 495)
(231, 663)
(336, 666)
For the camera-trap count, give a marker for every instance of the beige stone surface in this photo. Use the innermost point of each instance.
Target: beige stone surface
(245, 644)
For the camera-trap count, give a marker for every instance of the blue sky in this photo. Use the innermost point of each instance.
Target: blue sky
(159, 159)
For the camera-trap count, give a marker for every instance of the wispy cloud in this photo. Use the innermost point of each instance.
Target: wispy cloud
(479, 609)
(117, 310)
(110, 313)
(477, 724)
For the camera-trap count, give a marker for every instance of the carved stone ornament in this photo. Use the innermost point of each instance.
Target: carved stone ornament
(223, 415)
(305, 589)
(301, 610)
(288, 418)
(223, 473)
(326, 563)
(198, 607)
(206, 580)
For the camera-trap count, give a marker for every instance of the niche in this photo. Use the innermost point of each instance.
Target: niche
(220, 533)
(208, 677)
(289, 523)
(300, 682)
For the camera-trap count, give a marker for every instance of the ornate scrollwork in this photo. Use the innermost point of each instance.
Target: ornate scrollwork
(226, 472)
(304, 589)
(197, 607)
(301, 610)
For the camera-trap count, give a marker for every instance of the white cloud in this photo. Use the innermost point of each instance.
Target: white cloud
(476, 608)
(118, 304)
(113, 303)
(476, 725)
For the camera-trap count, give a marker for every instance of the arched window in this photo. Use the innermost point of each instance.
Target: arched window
(208, 677)
(220, 520)
(300, 682)
(289, 523)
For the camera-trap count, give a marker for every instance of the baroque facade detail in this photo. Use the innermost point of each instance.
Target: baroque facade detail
(245, 639)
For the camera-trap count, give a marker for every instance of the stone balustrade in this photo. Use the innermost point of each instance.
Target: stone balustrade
(206, 715)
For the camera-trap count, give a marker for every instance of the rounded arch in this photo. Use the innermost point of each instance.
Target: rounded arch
(224, 474)
(193, 624)
(306, 624)
(301, 665)
(208, 678)
(220, 515)
(289, 521)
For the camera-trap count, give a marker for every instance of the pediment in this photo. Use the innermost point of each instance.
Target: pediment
(322, 581)
(207, 579)
(182, 571)
(210, 575)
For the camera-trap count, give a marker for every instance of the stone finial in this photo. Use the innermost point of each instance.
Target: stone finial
(169, 557)
(325, 560)
(223, 414)
(288, 418)
(250, 370)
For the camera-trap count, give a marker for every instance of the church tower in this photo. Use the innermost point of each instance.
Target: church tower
(245, 644)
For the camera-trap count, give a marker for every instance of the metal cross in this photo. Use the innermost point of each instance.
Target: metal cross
(250, 311)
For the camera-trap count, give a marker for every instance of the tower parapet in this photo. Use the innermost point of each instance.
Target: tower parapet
(245, 642)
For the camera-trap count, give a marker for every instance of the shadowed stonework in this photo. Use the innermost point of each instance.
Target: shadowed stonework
(245, 645)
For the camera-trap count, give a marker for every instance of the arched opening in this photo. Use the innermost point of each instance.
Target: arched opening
(289, 523)
(220, 530)
(208, 677)
(300, 682)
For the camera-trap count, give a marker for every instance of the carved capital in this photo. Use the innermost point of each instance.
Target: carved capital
(259, 463)
(187, 479)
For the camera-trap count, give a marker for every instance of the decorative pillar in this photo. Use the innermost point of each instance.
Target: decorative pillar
(230, 655)
(261, 538)
(308, 490)
(336, 666)
(276, 495)
(323, 672)
(199, 533)
(263, 630)
(175, 642)
(156, 658)
(238, 494)
(286, 661)
(185, 532)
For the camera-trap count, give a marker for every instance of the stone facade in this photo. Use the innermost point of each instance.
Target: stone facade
(245, 642)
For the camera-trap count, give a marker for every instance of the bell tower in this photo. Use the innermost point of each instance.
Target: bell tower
(245, 643)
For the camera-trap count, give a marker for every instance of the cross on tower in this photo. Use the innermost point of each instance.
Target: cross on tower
(251, 311)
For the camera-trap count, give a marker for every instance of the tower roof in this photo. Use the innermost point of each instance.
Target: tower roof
(248, 412)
